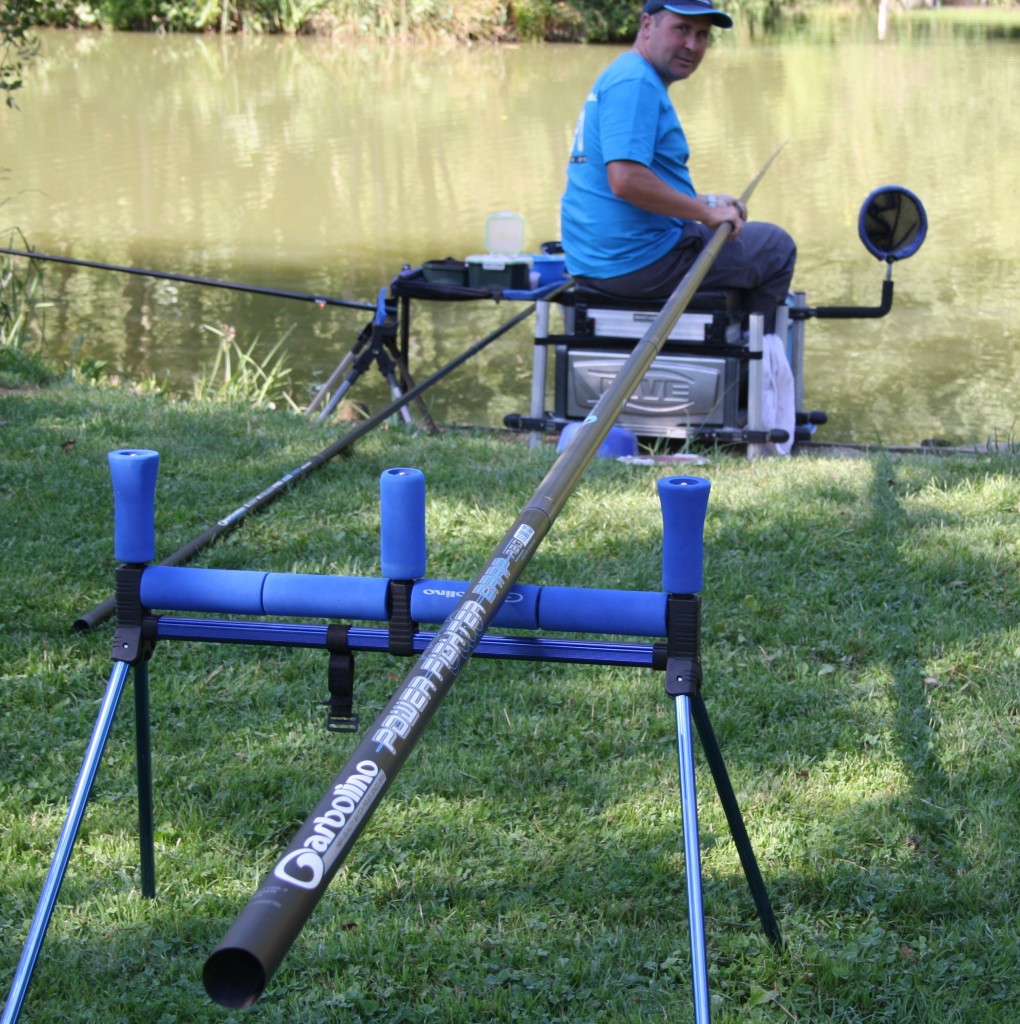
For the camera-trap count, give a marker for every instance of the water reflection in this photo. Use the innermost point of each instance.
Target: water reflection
(301, 165)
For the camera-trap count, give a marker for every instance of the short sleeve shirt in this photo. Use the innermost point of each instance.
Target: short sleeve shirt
(627, 116)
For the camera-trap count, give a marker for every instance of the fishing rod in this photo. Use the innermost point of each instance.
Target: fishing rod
(278, 293)
(94, 616)
(238, 970)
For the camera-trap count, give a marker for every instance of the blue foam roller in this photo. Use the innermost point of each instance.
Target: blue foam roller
(325, 597)
(181, 588)
(134, 504)
(432, 601)
(621, 612)
(402, 523)
(684, 501)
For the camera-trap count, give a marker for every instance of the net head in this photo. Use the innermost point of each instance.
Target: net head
(892, 223)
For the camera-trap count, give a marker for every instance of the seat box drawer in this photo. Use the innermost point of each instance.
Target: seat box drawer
(675, 393)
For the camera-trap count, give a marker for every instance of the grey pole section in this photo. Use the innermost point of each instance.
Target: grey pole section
(238, 970)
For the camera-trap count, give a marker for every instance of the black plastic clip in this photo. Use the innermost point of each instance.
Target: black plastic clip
(340, 717)
(683, 645)
(130, 642)
(402, 626)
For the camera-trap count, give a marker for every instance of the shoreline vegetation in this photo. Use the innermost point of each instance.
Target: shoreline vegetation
(438, 21)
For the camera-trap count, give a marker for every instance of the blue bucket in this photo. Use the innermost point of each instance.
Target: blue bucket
(619, 441)
(551, 268)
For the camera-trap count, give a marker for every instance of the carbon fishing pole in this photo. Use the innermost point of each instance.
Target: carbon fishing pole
(238, 970)
(277, 293)
(94, 616)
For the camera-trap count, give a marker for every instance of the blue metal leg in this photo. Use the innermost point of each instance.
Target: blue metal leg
(65, 843)
(692, 858)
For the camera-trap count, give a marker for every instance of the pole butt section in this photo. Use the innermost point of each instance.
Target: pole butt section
(684, 501)
(402, 523)
(234, 977)
(134, 504)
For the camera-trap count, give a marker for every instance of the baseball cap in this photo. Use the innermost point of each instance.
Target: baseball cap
(692, 7)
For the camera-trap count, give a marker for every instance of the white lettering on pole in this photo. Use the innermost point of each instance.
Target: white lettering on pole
(305, 866)
(449, 648)
(495, 575)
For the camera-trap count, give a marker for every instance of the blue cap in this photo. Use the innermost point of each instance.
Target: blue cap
(692, 7)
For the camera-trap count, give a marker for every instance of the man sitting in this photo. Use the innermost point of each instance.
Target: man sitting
(632, 222)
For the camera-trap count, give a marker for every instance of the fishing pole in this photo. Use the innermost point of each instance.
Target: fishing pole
(238, 970)
(101, 612)
(278, 293)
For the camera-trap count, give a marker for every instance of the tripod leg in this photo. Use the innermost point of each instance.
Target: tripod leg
(65, 843)
(407, 384)
(692, 858)
(396, 391)
(342, 367)
(713, 755)
(360, 356)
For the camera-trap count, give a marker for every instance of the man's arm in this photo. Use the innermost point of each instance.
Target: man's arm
(638, 184)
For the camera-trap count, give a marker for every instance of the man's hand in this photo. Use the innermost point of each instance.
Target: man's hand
(723, 209)
(730, 201)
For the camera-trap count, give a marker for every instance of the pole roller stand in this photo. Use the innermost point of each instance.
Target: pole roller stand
(402, 523)
(684, 501)
(134, 504)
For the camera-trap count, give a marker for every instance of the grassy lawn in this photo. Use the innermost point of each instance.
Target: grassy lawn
(860, 654)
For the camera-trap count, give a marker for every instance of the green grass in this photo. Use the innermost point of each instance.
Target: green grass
(860, 655)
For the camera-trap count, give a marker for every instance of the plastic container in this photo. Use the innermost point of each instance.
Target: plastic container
(504, 233)
(490, 270)
(448, 271)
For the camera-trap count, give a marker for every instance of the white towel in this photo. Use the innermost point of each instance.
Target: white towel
(778, 404)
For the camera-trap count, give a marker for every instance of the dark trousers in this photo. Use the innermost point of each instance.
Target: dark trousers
(759, 262)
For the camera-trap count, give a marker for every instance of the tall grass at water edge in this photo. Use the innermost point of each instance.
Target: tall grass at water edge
(860, 655)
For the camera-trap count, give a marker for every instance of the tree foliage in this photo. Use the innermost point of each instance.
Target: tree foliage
(18, 46)
(423, 20)
(593, 20)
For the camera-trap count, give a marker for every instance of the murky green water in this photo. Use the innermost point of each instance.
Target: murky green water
(298, 164)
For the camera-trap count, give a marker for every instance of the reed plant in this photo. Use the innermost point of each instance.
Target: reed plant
(244, 375)
(860, 652)
(20, 311)
(19, 291)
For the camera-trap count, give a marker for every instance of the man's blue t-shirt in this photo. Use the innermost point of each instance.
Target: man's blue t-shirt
(627, 116)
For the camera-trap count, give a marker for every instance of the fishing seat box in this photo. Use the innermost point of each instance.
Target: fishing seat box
(698, 381)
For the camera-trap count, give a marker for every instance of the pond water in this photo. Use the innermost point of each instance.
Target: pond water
(304, 165)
